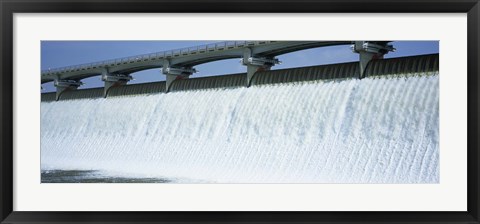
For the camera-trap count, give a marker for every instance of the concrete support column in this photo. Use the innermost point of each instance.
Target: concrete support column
(369, 51)
(252, 69)
(171, 78)
(256, 64)
(65, 85)
(175, 72)
(112, 80)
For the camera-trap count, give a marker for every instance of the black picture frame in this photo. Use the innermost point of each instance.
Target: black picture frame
(9, 7)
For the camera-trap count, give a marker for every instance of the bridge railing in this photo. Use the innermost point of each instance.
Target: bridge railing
(226, 45)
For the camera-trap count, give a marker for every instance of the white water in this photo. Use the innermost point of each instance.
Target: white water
(353, 131)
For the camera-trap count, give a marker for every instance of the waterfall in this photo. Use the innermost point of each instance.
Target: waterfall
(374, 130)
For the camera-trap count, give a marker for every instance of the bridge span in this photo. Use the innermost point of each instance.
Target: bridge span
(420, 65)
(177, 64)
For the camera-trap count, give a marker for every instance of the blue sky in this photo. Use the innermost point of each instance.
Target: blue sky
(65, 53)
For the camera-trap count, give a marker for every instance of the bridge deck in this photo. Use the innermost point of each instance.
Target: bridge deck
(182, 57)
(404, 66)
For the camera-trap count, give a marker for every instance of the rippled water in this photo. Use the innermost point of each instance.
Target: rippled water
(350, 131)
(92, 176)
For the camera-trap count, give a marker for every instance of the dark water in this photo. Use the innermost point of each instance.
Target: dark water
(92, 176)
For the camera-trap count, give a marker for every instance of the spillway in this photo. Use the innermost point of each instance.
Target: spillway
(403, 66)
(374, 130)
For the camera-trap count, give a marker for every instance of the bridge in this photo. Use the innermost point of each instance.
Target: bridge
(178, 64)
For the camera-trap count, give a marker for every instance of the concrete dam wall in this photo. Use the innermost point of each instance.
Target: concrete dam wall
(404, 66)
(291, 126)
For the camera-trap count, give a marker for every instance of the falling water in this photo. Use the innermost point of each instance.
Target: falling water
(383, 130)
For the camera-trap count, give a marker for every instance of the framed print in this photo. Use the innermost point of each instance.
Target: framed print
(245, 112)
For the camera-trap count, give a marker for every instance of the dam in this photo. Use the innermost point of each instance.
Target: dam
(318, 124)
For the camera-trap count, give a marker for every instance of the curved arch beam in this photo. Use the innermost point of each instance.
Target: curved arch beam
(256, 55)
(200, 55)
